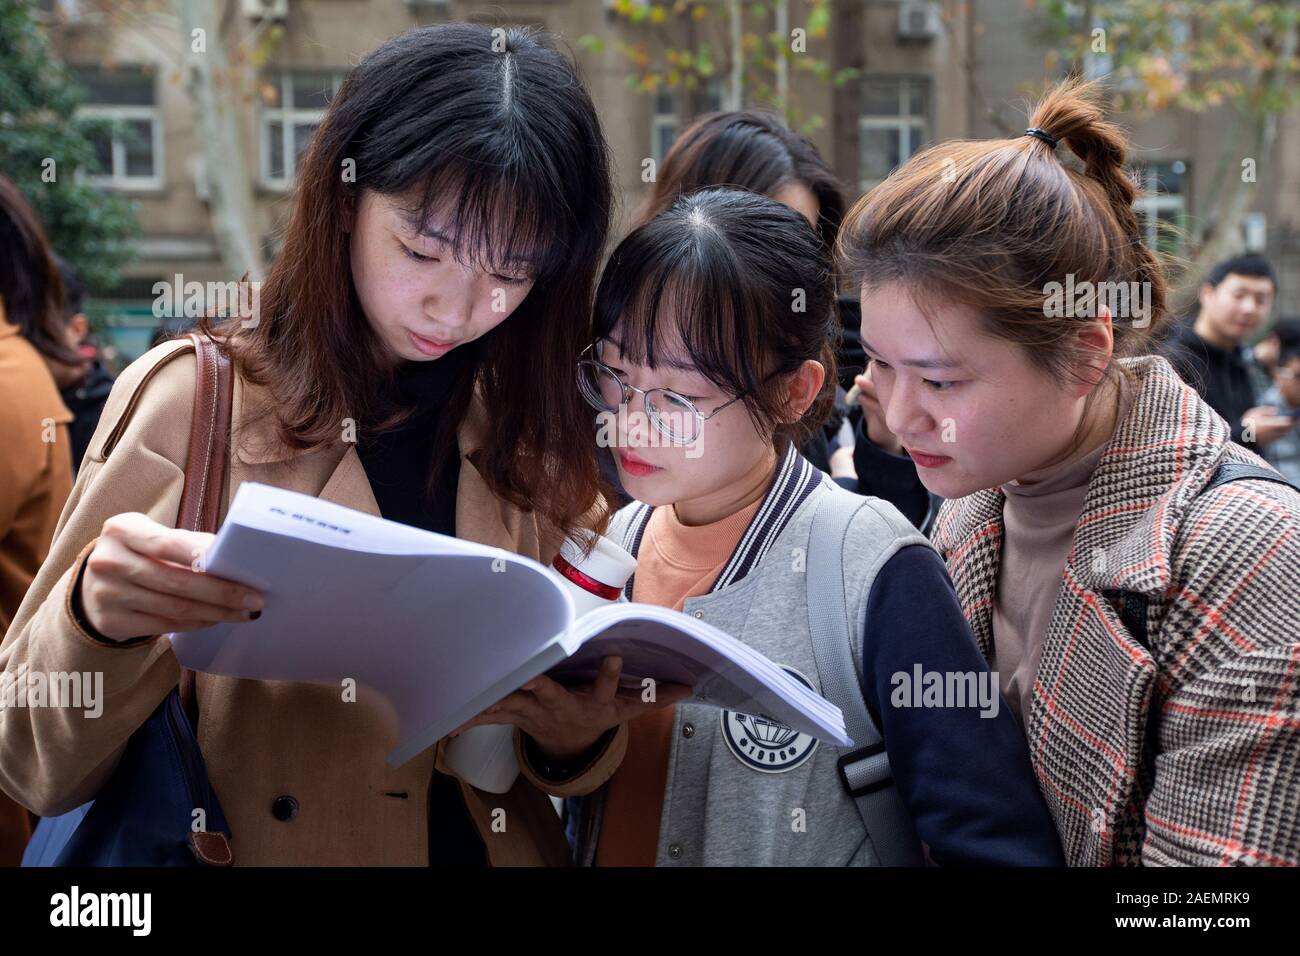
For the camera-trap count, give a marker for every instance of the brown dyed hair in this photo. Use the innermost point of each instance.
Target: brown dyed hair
(746, 149)
(30, 286)
(990, 223)
(505, 143)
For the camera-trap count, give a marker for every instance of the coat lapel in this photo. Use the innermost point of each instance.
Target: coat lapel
(968, 533)
(480, 515)
(331, 473)
(1160, 456)
(348, 485)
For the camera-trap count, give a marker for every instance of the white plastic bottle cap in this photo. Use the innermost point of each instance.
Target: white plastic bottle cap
(608, 563)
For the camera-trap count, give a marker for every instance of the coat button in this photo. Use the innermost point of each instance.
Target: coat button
(675, 851)
(284, 808)
(688, 730)
(699, 614)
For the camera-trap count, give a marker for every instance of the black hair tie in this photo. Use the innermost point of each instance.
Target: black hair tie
(1044, 135)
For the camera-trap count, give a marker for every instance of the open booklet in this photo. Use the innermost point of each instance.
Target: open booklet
(444, 628)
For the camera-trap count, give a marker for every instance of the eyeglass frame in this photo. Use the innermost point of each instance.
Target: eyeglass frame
(628, 388)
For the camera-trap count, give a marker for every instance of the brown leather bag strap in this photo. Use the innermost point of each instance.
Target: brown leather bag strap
(209, 457)
(205, 470)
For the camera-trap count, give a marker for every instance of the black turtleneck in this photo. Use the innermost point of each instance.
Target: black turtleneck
(398, 463)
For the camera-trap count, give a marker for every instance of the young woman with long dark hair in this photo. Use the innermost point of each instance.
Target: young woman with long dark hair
(433, 287)
(35, 445)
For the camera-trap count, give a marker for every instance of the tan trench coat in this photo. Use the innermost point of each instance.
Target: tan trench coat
(262, 740)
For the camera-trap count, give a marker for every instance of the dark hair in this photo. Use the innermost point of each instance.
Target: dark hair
(74, 293)
(1252, 264)
(497, 127)
(748, 149)
(992, 224)
(743, 283)
(29, 280)
(1288, 340)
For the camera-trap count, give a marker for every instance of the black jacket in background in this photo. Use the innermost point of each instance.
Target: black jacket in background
(1224, 378)
(891, 477)
(86, 402)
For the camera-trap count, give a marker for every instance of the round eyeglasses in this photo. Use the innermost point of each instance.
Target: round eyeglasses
(672, 414)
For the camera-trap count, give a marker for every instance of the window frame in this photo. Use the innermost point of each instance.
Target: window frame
(661, 120)
(117, 177)
(1152, 202)
(290, 118)
(913, 128)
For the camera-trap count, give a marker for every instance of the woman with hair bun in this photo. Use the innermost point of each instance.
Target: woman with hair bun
(1129, 572)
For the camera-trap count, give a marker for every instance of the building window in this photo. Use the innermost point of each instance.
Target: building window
(665, 121)
(130, 152)
(1162, 211)
(293, 106)
(893, 126)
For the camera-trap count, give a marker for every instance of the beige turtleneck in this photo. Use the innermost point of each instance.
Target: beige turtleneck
(1039, 517)
(675, 562)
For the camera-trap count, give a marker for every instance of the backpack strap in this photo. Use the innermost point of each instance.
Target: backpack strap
(1133, 604)
(864, 772)
(1239, 470)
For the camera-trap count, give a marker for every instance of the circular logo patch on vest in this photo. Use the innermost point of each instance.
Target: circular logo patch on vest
(763, 744)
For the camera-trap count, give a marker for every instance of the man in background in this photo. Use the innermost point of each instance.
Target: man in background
(1212, 355)
(84, 389)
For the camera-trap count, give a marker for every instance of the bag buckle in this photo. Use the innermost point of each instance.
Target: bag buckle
(855, 756)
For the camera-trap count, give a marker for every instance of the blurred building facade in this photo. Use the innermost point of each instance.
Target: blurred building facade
(931, 71)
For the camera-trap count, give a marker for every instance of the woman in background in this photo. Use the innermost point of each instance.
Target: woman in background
(35, 449)
(757, 151)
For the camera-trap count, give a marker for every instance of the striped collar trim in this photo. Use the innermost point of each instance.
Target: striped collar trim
(795, 480)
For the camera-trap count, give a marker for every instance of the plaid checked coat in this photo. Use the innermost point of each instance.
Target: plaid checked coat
(1189, 752)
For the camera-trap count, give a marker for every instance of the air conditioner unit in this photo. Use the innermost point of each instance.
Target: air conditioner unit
(918, 20)
(265, 9)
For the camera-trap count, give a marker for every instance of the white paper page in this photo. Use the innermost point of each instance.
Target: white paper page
(671, 647)
(676, 636)
(432, 632)
(289, 512)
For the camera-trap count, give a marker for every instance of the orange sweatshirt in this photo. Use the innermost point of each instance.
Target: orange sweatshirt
(674, 562)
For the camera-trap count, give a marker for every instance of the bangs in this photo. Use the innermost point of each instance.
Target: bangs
(494, 218)
(499, 150)
(681, 303)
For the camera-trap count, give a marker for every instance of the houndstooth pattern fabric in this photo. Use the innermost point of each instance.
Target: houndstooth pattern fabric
(1187, 753)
